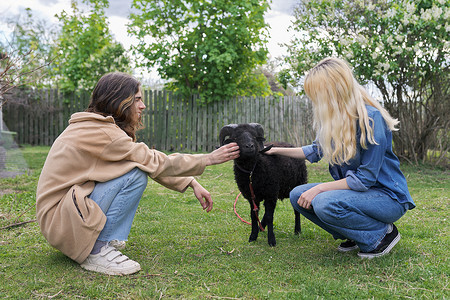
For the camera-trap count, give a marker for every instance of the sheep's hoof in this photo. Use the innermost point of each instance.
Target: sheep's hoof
(272, 242)
(252, 239)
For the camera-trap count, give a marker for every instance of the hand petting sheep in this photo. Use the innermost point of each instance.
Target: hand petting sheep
(261, 177)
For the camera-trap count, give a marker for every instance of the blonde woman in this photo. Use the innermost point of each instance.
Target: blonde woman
(354, 135)
(95, 174)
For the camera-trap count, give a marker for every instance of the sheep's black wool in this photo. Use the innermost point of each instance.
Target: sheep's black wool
(272, 176)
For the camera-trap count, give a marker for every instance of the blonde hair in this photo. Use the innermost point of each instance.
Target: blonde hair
(338, 103)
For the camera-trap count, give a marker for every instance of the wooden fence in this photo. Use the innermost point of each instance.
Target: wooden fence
(171, 123)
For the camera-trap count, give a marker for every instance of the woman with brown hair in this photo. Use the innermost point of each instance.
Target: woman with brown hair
(96, 173)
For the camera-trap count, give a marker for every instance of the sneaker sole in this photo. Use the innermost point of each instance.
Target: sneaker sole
(386, 251)
(107, 271)
(347, 249)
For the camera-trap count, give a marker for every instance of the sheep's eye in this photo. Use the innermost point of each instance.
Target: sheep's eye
(260, 139)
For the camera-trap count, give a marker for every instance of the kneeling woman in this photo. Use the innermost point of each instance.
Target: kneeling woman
(95, 175)
(354, 135)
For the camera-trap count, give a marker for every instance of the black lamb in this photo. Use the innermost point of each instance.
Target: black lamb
(272, 177)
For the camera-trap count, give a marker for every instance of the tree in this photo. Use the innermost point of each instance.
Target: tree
(85, 48)
(401, 47)
(206, 47)
(29, 49)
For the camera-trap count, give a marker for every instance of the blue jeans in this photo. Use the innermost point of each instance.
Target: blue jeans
(119, 199)
(347, 214)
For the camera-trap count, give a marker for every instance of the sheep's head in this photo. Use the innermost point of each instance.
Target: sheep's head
(249, 137)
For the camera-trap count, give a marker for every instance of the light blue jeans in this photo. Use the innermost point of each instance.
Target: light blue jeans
(347, 214)
(119, 199)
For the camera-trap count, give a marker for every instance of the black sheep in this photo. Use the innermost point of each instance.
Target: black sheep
(272, 177)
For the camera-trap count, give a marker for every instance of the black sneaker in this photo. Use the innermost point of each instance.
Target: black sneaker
(348, 245)
(386, 244)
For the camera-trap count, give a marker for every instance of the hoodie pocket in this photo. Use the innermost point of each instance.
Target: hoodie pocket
(74, 198)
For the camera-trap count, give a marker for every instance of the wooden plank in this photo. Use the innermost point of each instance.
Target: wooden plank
(175, 124)
(169, 121)
(191, 119)
(210, 134)
(188, 123)
(157, 124)
(151, 118)
(164, 122)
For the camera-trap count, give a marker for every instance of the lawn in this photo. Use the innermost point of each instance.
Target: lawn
(186, 253)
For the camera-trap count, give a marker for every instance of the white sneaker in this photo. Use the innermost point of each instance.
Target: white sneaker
(119, 245)
(110, 261)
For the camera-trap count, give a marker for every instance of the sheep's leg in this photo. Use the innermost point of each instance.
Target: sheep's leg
(255, 226)
(298, 226)
(263, 222)
(268, 216)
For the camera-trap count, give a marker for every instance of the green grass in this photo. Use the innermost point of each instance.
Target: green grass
(186, 253)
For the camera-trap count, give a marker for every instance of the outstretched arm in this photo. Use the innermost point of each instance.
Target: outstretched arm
(290, 152)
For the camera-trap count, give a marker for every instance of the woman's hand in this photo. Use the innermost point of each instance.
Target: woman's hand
(223, 154)
(307, 197)
(201, 193)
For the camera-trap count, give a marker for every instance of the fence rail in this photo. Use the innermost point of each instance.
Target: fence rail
(171, 123)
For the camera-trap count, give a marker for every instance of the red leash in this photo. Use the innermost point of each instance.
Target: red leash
(255, 208)
(234, 206)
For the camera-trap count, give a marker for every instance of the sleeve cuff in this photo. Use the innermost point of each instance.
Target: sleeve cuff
(310, 153)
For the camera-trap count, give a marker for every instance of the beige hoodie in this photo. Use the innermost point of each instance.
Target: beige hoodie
(94, 149)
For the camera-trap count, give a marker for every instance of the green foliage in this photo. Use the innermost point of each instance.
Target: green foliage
(186, 253)
(401, 47)
(206, 47)
(86, 49)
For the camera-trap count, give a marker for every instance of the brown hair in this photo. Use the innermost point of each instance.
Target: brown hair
(113, 96)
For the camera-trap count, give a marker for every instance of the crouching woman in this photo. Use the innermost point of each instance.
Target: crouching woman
(95, 174)
(354, 135)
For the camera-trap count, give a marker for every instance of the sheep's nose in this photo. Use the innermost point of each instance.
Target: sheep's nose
(249, 146)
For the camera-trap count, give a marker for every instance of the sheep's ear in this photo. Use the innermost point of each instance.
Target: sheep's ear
(259, 134)
(225, 133)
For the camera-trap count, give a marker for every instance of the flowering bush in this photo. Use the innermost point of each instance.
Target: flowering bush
(400, 47)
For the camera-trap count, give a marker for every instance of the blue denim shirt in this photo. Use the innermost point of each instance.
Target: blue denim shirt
(376, 167)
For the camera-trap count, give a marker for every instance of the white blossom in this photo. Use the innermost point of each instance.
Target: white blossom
(447, 13)
(413, 19)
(390, 13)
(411, 7)
(447, 27)
(390, 40)
(383, 66)
(344, 42)
(405, 20)
(348, 54)
(436, 12)
(426, 14)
